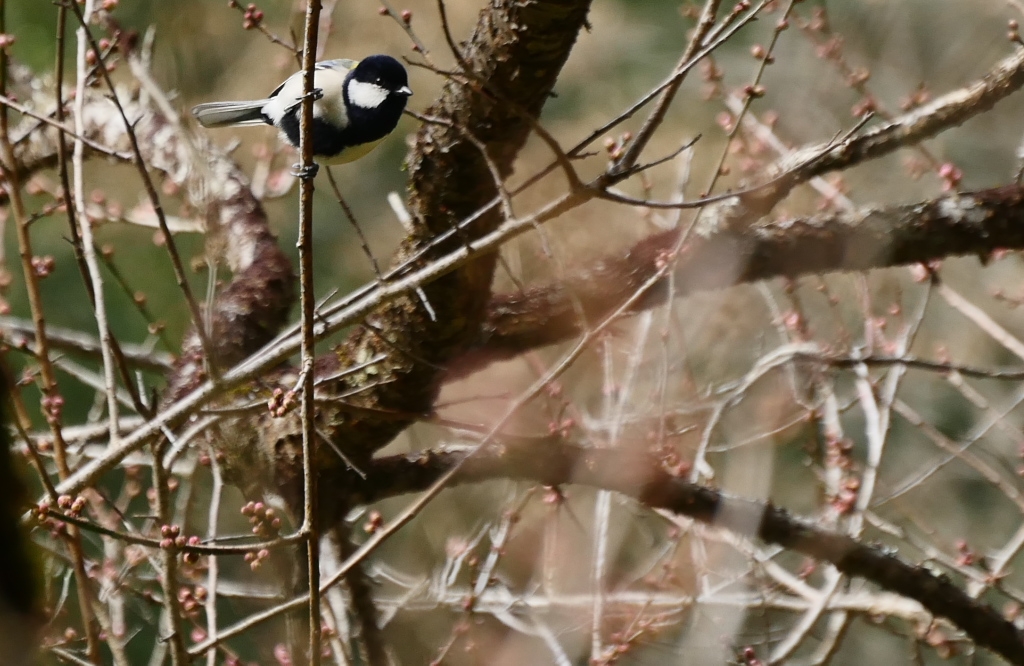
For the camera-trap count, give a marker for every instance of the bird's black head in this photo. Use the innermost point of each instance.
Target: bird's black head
(384, 72)
(375, 95)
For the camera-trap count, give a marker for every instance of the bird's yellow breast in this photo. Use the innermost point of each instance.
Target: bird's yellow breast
(353, 153)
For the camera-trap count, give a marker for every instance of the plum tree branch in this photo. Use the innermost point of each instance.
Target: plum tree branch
(554, 462)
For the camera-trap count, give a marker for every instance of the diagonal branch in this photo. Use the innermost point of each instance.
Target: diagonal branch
(553, 462)
(977, 223)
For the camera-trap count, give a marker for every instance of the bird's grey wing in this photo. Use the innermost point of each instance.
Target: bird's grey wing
(230, 114)
(339, 65)
(294, 82)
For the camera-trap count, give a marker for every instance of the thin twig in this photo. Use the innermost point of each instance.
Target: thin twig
(749, 99)
(213, 566)
(169, 563)
(355, 224)
(85, 235)
(310, 522)
(654, 120)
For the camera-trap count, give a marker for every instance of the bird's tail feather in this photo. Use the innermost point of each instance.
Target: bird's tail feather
(226, 114)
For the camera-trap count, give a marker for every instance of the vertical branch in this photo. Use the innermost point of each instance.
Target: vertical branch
(308, 299)
(85, 227)
(168, 559)
(52, 400)
(62, 153)
(213, 567)
(360, 595)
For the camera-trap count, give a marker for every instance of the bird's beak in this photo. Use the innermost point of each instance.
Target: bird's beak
(404, 90)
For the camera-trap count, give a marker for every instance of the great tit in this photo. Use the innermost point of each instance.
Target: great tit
(356, 104)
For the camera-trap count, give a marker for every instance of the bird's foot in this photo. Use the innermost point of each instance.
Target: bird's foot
(304, 172)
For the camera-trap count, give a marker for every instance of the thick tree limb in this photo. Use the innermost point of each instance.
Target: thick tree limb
(643, 477)
(518, 49)
(977, 223)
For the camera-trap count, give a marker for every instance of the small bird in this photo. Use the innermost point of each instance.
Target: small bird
(356, 104)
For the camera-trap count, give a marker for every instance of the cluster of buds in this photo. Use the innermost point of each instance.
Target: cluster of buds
(374, 521)
(838, 456)
(43, 512)
(754, 91)
(72, 506)
(616, 147)
(43, 266)
(666, 257)
(748, 657)
(174, 539)
(621, 642)
(561, 428)
(965, 556)
(671, 461)
(951, 176)
(281, 402)
(865, 106)
(255, 559)
(252, 18)
(28, 373)
(264, 521)
(52, 406)
(191, 600)
(837, 453)
(845, 501)
(612, 653)
(205, 459)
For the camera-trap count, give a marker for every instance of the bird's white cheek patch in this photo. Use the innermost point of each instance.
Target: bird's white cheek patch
(366, 95)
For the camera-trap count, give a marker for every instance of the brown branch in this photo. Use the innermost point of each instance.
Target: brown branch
(908, 129)
(360, 600)
(977, 223)
(657, 115)
(307, 303)
(552, 462)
